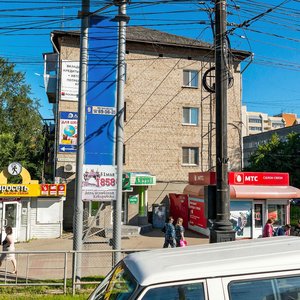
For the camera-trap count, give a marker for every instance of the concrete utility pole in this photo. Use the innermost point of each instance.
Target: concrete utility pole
(222, 228)
(122, 18)
(78, 206)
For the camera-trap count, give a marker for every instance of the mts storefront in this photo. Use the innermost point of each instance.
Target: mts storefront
(254, 197)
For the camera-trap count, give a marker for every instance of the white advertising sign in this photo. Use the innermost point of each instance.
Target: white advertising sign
(99, 183)
(69, 80)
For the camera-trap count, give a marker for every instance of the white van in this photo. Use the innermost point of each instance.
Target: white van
(261, 269)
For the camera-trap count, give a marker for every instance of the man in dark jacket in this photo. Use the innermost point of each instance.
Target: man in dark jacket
(170, 234)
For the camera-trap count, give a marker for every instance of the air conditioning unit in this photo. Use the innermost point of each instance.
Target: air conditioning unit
(70, 168)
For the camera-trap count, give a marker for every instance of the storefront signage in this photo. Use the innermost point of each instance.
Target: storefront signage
(20, 190)
(241, 178)
(142, 179)
(202, 178)
(14, 169)
(126, 182)
(68, 131)
(99, 183)
(133, 199)
(258, 178)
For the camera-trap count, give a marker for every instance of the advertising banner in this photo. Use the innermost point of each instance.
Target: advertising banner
(99, 183)
(241, 218)
(197, 213)
(100, 137)
(68, 132)
(69, 88)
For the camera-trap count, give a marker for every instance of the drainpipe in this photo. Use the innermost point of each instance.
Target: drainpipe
(56, 105)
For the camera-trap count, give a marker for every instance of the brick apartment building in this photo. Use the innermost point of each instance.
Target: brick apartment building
(169, 115)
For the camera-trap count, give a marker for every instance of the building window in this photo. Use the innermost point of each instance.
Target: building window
(190, 78)
(190, 155)
(255, 120)
(277, 124)
(255, 128)
(190, 115)
(278, 213)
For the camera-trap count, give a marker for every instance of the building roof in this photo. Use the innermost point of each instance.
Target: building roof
(214, 260)
(141, 34)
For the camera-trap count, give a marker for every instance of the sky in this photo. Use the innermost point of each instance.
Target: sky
(271, 32)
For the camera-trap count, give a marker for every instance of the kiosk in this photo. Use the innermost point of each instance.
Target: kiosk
(33, 210)
(254, 198)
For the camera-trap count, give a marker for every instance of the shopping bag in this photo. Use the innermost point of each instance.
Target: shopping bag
(183, 243)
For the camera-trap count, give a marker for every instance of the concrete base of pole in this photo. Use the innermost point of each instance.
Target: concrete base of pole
(219, 236)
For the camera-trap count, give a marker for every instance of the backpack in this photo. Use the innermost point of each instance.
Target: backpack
(164, 229)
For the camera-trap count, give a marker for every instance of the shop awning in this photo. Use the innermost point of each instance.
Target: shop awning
(250, 192)
(263, 192)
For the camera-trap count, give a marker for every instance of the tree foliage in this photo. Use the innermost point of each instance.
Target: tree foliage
(278, 155)
(21, 126)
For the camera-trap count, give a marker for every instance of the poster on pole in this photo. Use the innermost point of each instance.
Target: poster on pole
(69, 89)
(99, 183)
(68, 132)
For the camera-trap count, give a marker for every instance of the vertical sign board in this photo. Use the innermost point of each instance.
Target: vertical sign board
(69, 80)
(100, 136)
(68, 132)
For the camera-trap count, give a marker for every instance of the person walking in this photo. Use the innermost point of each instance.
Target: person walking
(8, 245)
(169, 234)
(268, 228)
(179, 232)
(296, 230)
(283, 230)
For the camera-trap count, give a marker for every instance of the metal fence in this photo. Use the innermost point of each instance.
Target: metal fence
(53, 268)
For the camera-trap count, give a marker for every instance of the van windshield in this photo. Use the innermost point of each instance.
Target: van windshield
(119, 284)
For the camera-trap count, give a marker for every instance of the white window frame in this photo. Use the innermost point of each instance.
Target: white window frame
(191, 74)
(190, 116)
(190, 153)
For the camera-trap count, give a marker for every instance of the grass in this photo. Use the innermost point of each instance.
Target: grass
(48, 292)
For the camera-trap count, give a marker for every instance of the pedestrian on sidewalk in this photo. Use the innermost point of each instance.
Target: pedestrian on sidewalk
(170, 234)
(268, 228)
(179, 232)
(283, 230)
(8, 245)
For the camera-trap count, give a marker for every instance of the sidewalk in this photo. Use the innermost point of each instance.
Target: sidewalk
(51, 265)
(151, 240)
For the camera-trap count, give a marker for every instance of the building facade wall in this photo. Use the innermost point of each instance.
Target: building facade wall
(154, 133)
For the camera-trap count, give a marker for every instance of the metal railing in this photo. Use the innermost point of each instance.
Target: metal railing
(54, 268)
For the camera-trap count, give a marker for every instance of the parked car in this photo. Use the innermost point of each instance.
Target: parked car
(261, 269)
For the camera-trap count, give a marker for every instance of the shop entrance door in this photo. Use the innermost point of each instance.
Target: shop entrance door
(258, 219)
(10, 218)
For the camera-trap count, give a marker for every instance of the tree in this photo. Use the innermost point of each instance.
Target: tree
(278, 156)
(21, 126)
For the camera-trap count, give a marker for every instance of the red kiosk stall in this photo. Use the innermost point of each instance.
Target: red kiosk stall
(254, 198)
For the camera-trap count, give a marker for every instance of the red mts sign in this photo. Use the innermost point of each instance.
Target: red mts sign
(258, 178)
(202, 178)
